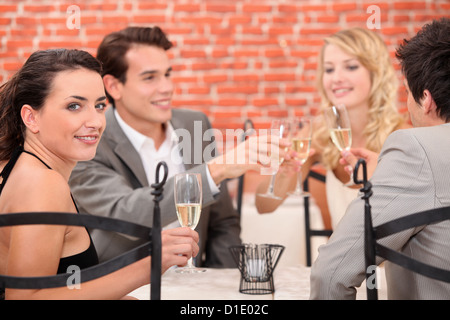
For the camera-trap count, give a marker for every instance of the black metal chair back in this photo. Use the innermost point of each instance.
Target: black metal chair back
(373, 249)
(309, 232)
(151, 247)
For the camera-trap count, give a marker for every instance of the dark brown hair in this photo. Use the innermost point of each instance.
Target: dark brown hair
(425, 61)
(113, 48)
(31, 85)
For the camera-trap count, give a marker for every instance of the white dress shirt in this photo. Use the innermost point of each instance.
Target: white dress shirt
(151, 156)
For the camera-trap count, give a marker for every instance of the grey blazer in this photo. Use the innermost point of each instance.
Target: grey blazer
(114, 184)
(412, 175)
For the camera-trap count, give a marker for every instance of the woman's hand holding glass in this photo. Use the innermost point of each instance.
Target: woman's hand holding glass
(350, 157)
(178, 246)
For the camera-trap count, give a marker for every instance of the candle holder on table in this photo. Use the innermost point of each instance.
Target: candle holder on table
(256, 264)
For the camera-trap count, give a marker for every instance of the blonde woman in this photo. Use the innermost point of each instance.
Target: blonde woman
(354, 69)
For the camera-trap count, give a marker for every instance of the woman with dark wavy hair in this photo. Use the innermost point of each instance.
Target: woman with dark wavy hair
(51, 117)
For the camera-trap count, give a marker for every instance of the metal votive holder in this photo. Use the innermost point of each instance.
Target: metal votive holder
(256, 264)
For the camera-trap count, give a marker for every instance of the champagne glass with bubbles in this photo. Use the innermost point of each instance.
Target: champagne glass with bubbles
(338, 123)
(301, 143)
(188, 203)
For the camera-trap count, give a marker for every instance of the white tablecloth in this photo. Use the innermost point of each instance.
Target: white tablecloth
(214, 284)
(285, 227)
(290, 283)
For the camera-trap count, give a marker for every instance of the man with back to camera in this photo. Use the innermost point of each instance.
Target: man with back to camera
(142, 129)
(412, 175)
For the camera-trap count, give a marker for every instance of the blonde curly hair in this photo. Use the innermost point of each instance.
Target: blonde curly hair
(383, 117)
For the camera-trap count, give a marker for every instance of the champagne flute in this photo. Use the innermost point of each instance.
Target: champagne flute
(283, 128)
(188, 202)
(301, 143)
(338, 123)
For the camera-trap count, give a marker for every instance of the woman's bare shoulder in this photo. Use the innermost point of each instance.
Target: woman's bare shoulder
(38, 189)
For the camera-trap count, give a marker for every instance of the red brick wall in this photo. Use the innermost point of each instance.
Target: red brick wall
(233, 59)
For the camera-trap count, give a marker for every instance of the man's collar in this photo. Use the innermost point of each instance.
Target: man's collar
(137, 139)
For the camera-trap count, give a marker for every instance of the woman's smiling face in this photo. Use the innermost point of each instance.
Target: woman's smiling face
(345, 80)
(72, 119)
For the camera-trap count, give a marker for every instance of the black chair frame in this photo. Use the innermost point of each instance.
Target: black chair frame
(151, 247)
(88, 221)
(309, 233)
(371, 234)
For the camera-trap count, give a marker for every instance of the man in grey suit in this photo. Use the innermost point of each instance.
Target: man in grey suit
(412, 175)
(142, 129)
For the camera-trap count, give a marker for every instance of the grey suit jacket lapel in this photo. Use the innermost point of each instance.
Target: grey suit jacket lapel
(123, 147)
(125, 150)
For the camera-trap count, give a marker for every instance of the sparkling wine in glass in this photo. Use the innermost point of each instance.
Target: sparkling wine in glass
(188, 203)
(301, 143)
(283, 129)
(342, 138)
(340, 130)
